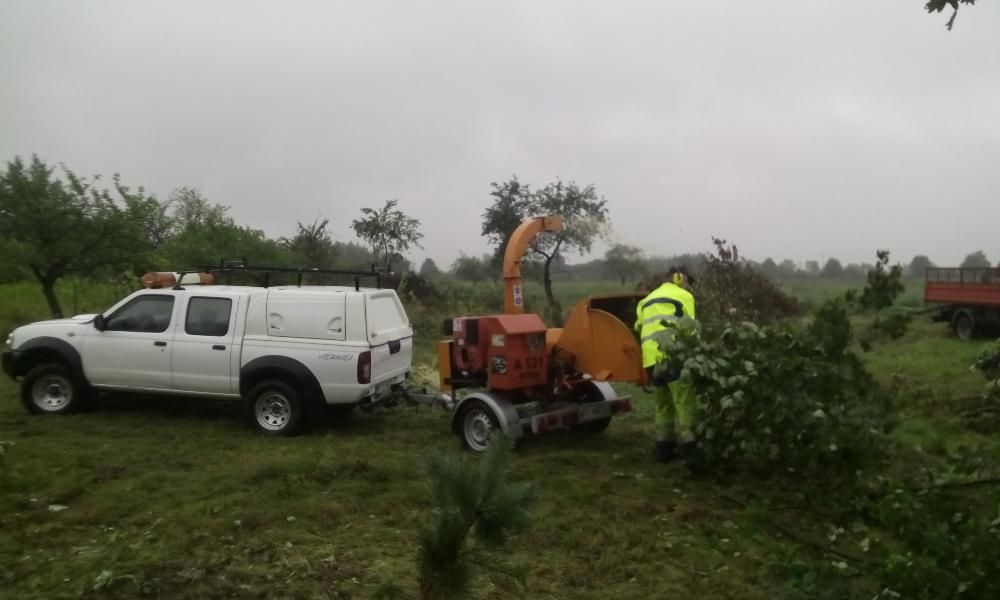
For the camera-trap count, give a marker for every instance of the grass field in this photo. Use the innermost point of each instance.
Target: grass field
(169, 498)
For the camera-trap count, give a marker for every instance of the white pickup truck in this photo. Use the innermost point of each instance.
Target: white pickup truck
(288, 352)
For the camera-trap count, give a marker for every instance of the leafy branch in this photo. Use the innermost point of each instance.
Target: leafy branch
(934, 6)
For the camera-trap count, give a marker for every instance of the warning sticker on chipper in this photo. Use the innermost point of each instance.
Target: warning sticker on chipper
(518, 299)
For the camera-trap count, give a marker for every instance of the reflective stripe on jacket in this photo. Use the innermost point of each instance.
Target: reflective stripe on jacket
(663, 307)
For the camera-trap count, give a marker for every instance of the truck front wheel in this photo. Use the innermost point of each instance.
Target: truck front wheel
(275, 408)
(51, 389)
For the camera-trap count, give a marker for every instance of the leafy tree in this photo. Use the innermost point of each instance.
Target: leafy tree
(857, 270)
(976, 260)
(933, 6)
(388, 232)
(787, 269)
(583, 212)
(512, 203)
(918, 266)
(585, 215)
(401, 264)
(57, 228)
(494, 270)
(353, 256)
(202, 233)
(624, 262)
(312, 245)
(769, 268)
(429, 269)
(812, 268)
(884, 284)
(468, 268)
(832, 269)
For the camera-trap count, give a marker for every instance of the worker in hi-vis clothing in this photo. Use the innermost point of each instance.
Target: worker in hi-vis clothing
(675, 403)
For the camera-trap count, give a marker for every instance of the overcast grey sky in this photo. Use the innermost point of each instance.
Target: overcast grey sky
(802, 129)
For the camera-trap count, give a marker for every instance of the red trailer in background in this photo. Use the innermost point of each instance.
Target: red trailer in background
(969, 298)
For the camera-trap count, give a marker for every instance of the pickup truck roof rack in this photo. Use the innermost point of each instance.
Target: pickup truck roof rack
(228, 266)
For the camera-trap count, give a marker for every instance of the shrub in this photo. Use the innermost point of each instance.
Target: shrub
(947, 533)
(988, 364)
(780, 397)
(413, 285)
(882, 289)
(476, 510)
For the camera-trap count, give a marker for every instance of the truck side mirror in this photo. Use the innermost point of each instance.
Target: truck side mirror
(99, 323)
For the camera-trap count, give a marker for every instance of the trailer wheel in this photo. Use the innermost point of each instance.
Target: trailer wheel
(964, 324)
(590, 393)
(476, 425)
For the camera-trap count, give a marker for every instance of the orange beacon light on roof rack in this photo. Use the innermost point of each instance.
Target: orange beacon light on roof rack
(164, 279)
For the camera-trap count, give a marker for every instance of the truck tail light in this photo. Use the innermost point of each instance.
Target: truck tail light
(365, 367)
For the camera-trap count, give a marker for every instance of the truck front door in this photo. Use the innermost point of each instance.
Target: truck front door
(133, 351)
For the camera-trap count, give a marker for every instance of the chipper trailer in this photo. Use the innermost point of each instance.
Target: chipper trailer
(512, 373)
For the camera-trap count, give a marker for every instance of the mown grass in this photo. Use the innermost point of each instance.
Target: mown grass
(175, 498)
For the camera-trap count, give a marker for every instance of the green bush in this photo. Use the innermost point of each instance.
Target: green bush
(988, 364)
(780, 397)
(946, 532)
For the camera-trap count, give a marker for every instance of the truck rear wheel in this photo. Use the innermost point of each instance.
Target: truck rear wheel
(964, 324)
(275, 408)
(51, 389)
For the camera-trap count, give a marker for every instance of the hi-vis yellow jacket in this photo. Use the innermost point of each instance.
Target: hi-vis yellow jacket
(661, 309)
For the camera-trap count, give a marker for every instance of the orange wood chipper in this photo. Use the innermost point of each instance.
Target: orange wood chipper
(511, 372)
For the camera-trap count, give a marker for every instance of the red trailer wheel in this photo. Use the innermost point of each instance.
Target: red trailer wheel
(964, 324)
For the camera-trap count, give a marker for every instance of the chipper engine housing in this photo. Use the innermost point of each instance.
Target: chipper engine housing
(497, 352)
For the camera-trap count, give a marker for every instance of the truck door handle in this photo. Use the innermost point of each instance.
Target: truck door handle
(218, 347)
(159, 343)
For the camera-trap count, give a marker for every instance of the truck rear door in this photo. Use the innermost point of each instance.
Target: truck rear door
(203, 354)
(390, 336)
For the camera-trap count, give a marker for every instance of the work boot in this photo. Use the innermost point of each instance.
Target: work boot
(664, 451)
(685, 449)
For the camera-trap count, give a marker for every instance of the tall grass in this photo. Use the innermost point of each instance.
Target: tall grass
(23, 302)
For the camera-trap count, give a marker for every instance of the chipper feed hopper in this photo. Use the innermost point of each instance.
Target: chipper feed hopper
(513, 374)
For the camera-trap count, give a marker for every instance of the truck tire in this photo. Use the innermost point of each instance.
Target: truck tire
(275, 408)
(964, 324)
(51, 389)
(476, 425)
(340, 410)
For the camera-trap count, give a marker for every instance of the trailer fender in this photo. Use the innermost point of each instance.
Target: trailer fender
(605, 389)
(504, 409)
